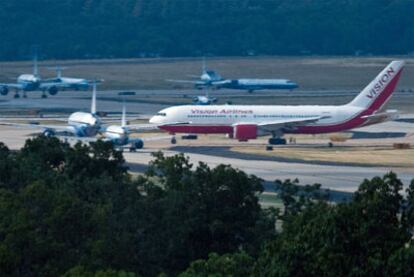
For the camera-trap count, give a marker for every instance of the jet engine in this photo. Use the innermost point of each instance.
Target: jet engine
(244, 132)
(53, 90)
(49, 133)
(138, 143)
(4, 90)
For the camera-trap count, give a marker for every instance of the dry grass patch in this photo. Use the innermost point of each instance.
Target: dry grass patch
(381, 156)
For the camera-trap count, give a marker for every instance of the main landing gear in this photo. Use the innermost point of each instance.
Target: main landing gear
(173, 140)
(277, 141)
(44, 94)
(16, 94)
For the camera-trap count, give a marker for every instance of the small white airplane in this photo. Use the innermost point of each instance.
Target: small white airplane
(244, 122)
(84, 126)
(204, 100)
(119, 135)
(79, 124)
(32, 82)
(70, 82)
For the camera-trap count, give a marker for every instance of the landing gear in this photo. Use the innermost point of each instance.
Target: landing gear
(44, 94)
(277, 141)
(132, 149)
(24, 94)
(16, 95)
(189, 137)
(173, 140)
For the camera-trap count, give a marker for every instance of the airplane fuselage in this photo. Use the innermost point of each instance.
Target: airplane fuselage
(221, 118)
(84, 124)
(75, 83)
(29, 82)
(257, 84)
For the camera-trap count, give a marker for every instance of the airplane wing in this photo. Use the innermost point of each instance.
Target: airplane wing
(156, 138)
(271, 126)
(47, 85)
(55, 128)
(187, 82)
(134, 128)
(94, 139)
(12, 85)
(388, 115)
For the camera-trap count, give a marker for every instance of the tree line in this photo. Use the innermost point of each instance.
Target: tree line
(69, 29)
(75, 211)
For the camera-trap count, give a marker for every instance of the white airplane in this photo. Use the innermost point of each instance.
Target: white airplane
(70, 82)
(119, 135)
(244, 122)
(32, 82)
(79, 124)
(204, 100)
(84, 126)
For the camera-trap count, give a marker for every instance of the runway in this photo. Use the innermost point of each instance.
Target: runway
(148, 102)
(343, 178)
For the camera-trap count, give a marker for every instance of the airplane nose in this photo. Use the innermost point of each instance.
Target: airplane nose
(153, 120)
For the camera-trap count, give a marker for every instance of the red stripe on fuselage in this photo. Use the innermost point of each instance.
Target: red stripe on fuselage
(198, 129)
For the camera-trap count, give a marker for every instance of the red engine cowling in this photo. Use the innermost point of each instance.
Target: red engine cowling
(244, 132)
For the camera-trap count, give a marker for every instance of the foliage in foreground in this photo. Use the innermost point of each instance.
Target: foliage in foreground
(76, 210)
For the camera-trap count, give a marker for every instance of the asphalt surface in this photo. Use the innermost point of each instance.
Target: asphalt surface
(344, 177)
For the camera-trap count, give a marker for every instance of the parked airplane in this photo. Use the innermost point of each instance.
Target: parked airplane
(84, 126)
(79, 124)
(119, 135)
(244, 122)
(31, 82)
(69, 82)
(204, 100)
(210, 78)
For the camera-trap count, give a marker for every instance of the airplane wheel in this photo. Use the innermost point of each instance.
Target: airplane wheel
(44, 96)
(277, 141)
(24, 95)
(173, 140)
(17, 95)
(132, 149)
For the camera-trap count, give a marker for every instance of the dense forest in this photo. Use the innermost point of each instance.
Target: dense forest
(75, 211)
(68, 29)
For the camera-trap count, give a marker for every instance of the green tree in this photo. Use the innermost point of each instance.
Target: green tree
(237, 264)
(356, 238)
(198, 211)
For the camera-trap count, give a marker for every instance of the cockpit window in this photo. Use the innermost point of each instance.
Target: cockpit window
(162, 114)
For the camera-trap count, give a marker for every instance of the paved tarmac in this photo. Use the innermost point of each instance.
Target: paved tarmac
(338, 177)
(148, 102)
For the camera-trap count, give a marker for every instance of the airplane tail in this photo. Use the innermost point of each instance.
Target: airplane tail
(377, 93)
(93, 104)
(123, 120)
(35, 67)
